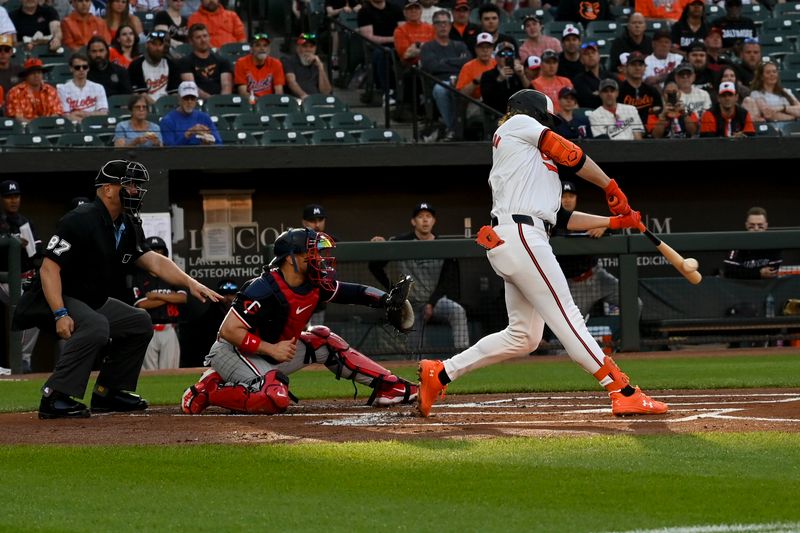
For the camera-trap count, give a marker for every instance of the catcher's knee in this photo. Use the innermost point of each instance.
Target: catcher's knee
(273, 397)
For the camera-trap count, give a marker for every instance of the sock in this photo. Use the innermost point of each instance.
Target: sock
(444, 379)
(628, 391)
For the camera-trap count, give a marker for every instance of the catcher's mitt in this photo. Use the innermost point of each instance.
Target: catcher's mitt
(399, 312)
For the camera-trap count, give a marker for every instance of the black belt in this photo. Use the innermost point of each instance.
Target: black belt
(526, 219)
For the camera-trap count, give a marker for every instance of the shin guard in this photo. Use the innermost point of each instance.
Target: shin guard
(268, 395)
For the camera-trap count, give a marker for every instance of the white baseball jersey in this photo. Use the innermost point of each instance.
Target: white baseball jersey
(6, 25)
(156, 77)
(523, 180)
(654, 66)
(619, 126)
(90, 97)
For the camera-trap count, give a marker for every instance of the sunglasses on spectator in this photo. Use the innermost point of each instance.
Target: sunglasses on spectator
(83, 66)
(157, 35)
(6, 49)
(259, 36)
(590, 44)
(308, 36)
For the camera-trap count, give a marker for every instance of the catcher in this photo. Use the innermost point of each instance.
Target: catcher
(262, 338)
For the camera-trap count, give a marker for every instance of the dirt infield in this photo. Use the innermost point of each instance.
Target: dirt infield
(457, 417)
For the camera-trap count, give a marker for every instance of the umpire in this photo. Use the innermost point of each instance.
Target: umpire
(95, 246)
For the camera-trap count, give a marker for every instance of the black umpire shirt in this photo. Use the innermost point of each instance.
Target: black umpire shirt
(93, 266)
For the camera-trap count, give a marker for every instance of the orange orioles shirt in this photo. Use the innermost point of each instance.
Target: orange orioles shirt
(259, 80)
(472, 70)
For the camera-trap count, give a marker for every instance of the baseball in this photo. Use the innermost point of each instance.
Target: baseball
(690, 264)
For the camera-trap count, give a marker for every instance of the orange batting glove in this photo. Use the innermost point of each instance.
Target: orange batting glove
(617, 201)
(632, 220)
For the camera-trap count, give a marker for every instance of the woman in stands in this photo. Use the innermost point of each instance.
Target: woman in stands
(118, 14)
(172, 18)
(138, 131)
(771, 102)
(126, 46)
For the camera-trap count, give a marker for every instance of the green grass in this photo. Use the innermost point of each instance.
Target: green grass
(512, 484)
(533, 375)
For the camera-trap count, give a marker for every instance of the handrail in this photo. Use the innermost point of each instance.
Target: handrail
(14, 347)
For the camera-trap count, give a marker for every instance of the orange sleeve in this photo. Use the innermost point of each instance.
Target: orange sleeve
(708, 124)
(402, 40)
(652, 120)
(2, 96)
(748, 127)
(238, 29)
(561, 150)
(280, 77)
(67, 34)
(240, 72)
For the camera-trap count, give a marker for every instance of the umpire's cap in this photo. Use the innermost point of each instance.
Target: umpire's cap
(293, 241)
(156, 243)
(534, 104)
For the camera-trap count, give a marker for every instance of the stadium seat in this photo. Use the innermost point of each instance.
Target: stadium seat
(236, 50)
(73, 140)
(165, 104)
(332, 137)
(789, 128)
(353, 123)
(380, 136)
(654, 25)
(237, 137)
(349, 20)
(775, 45)
(148, 21)
(283, 137)
(520, 13)
(227, 106)
(60, 73)
(101, 126)
(791, 62)
(765, 129)
(182, 49)
(118, 105)
(790, 78)
(757, 12)
(278, 105)
(255, 124)
(8, 128)
(50, 57)
(303, 122)
(603, 29)
(787, 10)
(50, 127)
(714, 11)
(25, 140)
(787, 26)
(323, 105)
(620, 13)
(555, 28)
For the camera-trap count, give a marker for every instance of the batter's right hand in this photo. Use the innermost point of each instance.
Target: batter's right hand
(632, 220)
(284, 350)
(64, 327)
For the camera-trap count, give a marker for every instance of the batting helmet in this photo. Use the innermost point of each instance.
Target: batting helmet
(534, 104)
(129, 174)
(319, 247)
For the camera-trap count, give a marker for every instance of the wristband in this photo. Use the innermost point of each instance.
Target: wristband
(61, 312)
(249, 344)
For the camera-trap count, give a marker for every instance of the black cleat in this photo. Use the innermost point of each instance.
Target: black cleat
(59, 405)
(105, 400)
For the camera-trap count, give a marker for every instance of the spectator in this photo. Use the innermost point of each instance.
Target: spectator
(408, 37)
(583, 12)
(716, 58)
(507, 77)
(463, 29)
(697, 57)
(37, 24)
(691, 26)
(176, 23)
(9, 70)
(17, 225)
(587, 82)
(161, 300)
(169, 51)
(489, 16)
(224, 26)
(694, 98)
(80, 26)
(735, 28)
(190, 7)
(569, 60)
(258, 74)
(118, 14)
(154, 73)
(661, 62)
(138, 131)
(81, 98)
(6, 25)
(612, 120)
(436, 282)
(125, 47)
(633, 39)
(536, 43)
(469, 78)
(728, 73)
(150, 6)
(727, 118)
(211, 72)
(675, 121)
(533, 66)
(572, 126)
(634, 91)
(429, 7)
(334, 8)
(588, 281)
(305, 72)
(770, 100)
(753, 264)
(548, 82)
(32, 97)
(186, 125)
(443, 58)
(111, 76)
(657, 10)
(377, 21)
(749, 61)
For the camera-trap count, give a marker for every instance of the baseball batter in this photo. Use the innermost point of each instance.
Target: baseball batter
(526, 198)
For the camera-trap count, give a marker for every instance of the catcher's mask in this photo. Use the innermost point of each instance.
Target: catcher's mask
(131, 175)
(319, 248)
(534, 104)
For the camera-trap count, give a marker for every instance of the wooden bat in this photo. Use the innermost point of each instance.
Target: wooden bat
(693, 276)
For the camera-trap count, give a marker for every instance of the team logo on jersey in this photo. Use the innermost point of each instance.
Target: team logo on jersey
(589, 10)
(251, 307)
(126, 258)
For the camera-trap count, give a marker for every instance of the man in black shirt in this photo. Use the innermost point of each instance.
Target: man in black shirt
(754, 264)
(95, 247)
(211, 72)
(111, 76)
(36, 22)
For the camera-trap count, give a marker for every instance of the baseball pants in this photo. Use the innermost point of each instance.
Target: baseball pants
(536, 292)
(164, 350)
(445, 310)
(117, 332)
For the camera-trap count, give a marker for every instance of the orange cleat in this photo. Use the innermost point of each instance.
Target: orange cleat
(430, 388)
(637, 404)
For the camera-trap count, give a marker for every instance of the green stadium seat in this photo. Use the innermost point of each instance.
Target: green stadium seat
(255, 124)
(277, 105)
(714, 12)
(118, 104)
(520, 13)
(787, 10)
(50, 57)
(351, 122)
(787, 26)
(26, 140)
(757, 12)
(283, 137)
(60, 73)
(182, 49)
(765, 129)
(165, 104)
(380, 136)
(227, 106)
(101, 126)
(603, 29)
(323, 105)
(555, 28)
(332, 137)
(237, 137)
(620, 13)
(789, 128)
(791, 62)
(236, 50)
(74, 140)
(303, 122)
(10, 127)
(148, 21)
(50, 127)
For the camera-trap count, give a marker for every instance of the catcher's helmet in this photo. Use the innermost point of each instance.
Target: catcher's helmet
(534, 104)
(319, 246)
(129, 174)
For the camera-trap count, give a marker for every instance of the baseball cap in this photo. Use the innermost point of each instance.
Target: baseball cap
(733, 2)
(714, 29)
(261, 36)
(608, 82)
(727, 87)
(314, 211)
(78, 200)
(10, 188)
(533, 62)
(461, 4)
(697, 46)
(635, 57)
(531, 16)
(484, 38)
(567, 91)
(411, 3)
(157, 34)
(568, 186)
(590, 44)
(227, 286)
(6, 40)
(684, 67)
(188, 88)
(662, 34)
(549, 54)
(570, 29)
(310, 38)
(156, 243)
(33, 64)
(423, 206)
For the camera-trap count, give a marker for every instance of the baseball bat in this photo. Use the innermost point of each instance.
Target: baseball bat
(672, 256)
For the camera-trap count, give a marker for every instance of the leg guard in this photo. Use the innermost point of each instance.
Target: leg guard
(195, 398)
(346, 362)
(267, 395)
(611, 377)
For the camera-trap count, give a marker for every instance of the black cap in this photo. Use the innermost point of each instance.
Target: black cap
(423, 206)
(78, 200)
(156, 243)
(684, 67)
(314, 211)
(549, 54)
(733, 2)
(697, 46)
(227, 286)
(662, 34)
(568, 186)
(10, 188)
